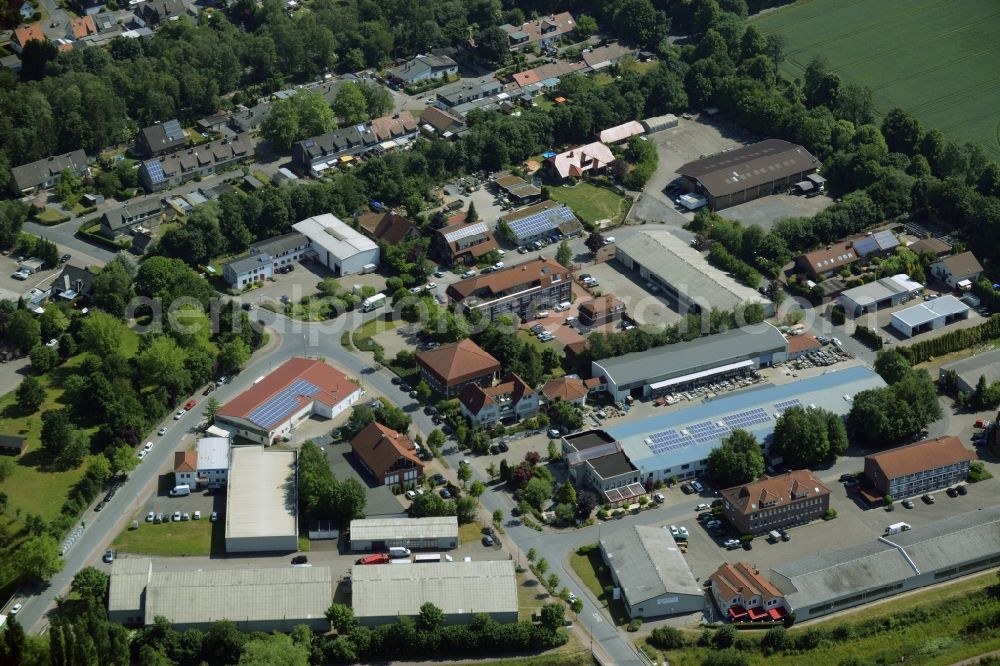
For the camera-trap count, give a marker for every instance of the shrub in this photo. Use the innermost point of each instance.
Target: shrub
(775, 640)
(724, 637)
(634, 624)
(667, 638)
(726, 658)
(808, 640)
(830, 514)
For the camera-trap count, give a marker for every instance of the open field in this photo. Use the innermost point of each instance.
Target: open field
(174, 539)
(933, 627)
(933, 58)
(593, 573)
(592, 203)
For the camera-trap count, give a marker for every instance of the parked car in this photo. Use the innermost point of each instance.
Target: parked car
(158, 519)
(185, 516)
(109, 556)
(468, 274)
(928, 499)
(731, 543)
(487, 540)
(16, 608)
(214, 517)
(697, 485)
(150, 516)
(702, 507)
(162, 431)
(445, 493)
(197, 515)
(784, 535)
(179, 414)
(962, 490)
(659, 498)
(951, 492)
(713, 524)
(377, 558)
(410, 494)
(907, 504)
(300, 559)
(176, 517)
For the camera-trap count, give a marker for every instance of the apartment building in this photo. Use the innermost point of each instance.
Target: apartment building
(919, 468)
(519, 290)
(742, 593)
(511, 399)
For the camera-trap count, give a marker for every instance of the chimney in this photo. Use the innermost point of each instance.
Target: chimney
(65, 283)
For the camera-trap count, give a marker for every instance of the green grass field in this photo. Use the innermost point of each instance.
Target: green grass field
(592, 203)
(180, 539)
(937, 59)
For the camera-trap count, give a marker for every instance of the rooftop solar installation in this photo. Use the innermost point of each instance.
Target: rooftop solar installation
(172, 130)
(541, 222)
(785, 404)
(466, 231)
(155, 170)
(279, 406)
(706, 431)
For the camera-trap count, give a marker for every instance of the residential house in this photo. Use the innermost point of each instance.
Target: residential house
(923, 467)
(25, 33)
(448, 369)
(581, 161)
(176, 168)
(459, 243)
(772, 502)
(539, 76)
(601, 310)
(160, 139)
(207, 464)
(389, 227)
(153, 12)
(605, 56)
(265, 257)
(389, 456)
(825, 262)
(462, 92)
(319, 153)
(12, 445)
(422, 68)
(520, 290)
(186, 469)
(105, 21)
(958, 271)
(742, 593)
(72, 284)
(119, 222)
(24, 9)
(395, 131)
(546, 219)
(81, 27)
(567, 389)
(45, 173)
(510, 400)
(935, 246)
(438, 122)
(90, 7)
(213, 124)
(542, 31)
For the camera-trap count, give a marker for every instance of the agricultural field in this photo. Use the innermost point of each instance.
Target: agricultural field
(937, 59)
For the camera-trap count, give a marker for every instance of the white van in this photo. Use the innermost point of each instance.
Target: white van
(181, 490)
(399, 551)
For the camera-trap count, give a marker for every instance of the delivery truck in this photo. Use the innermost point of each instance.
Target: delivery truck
(896, 528)
(373, 302)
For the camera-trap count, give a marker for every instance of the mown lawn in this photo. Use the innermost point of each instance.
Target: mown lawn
(592, 203)
(593, 573)
(363, 335)
(51, 216)
(180, 539)
(929, 628)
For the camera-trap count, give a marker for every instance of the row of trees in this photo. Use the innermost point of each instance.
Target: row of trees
(883, 417)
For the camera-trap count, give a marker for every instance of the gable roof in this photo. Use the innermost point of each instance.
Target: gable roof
(164, 136)
(73, 281)
(25, 33)
(475, 397)
(439, 119)
(744, 580)
(391, 127)
(830, 258)
(35, 173)
(390, 227)
(380, 447)
(744, 168)
(294, 384)
(539, 272)
(82, 27)
(802, 343)
(775, 491)
(932, 245)
(565, 388)
(458, 362)
(115, 218)
(648, 564)
(185, 461)
(12, 443)
(601, 306)
(621, 132)
(921, 456)
(574, 162)
(962, 264)
(533, 31)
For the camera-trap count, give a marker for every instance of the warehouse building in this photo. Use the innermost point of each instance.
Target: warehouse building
(969, 370)
(270, 409)
(893, 564)
(256, 599)
(622, 459)
(380, 534)
(682, 365)
(462, 590)
(684, 274)
(338, 246)
(651, 572)
(879, 295)
(929, 316)
(262, 501)
(923, 467)
(772, 166)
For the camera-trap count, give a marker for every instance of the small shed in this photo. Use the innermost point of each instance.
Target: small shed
(12, 445)
(659, 123)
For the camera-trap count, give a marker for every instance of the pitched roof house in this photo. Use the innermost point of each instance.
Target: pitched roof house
(25, 33)
(80, 27)
(45, 173)
(541, 30)
(399, 126)
(567, 389)
(160, 139)
(957, 268)
(389, 456)
(449, 368)
(441, 122)
(512, 399)
(519, 290)
(461, 243)
(824, 262)
(742, 592)
(582, 160)
(390, 227)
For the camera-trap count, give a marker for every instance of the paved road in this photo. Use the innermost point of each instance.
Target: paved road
(56, 25)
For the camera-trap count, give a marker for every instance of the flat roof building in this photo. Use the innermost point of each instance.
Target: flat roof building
(462, 590)
(685, 274)
(677, 443)
(969, 370)
(262, 501)
(885, 293)
(276, 403)
(737, 176)
(256, 599)
(379, 534)
(673, 367)
(915, 469)
(337, 245)
(929, 316)
(651, 571)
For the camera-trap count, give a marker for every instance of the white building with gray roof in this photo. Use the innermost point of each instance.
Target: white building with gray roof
(671, 368)
(685, 274)
(969, 370)
(462, 590)
(337, 245)
(929, 316)
(379, 534)
(893, 564)
(651, 572)
(885, 293)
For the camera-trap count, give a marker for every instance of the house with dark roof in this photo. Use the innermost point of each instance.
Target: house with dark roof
(213, 123)
(542, 31)
(459, 243)
(605, 56)
(422, 68)
(517, 189)
(153, 12)
(449, 368)
(825, 262)
(90, 7)
(23, 8)
(45, 173)
(519, 290)
(389, 456)
(602, 310)
(119, 222)
(319, 153)
(73, 283)
(462, 92)
(509, 400)
(915, 469)
(773, 502)
(545, 219)
(12, 445)
(389, 227)
(160, 139)
(935, 246)
(179, 167)
(268, 411)
(958, 270)
(265, 257)
(736, 176)
(23, 34)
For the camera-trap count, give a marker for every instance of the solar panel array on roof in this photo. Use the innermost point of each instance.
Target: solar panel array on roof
(279, 406)
(155, 170)
(466, 231)
(866, 246)
(706, 431)
(541, 222)
(172, 130)
(785, 404)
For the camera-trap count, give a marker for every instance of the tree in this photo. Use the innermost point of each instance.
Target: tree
(43, 358)
(667, 638)
(56, 432)
(892, 366)
(902, 131)
(531, 554)
(497, 517)
(38, 558)
(586, 502)
(585, 26)
(233, 355)
(274, 650)
(738, 460)
(102, 334)
(566, 414)
(23, 330)
(121, 459)
(424, 391)
(222, 642)
(350, 104)
(212, 407)
(542, 566)
(594, 242)
(566, 494)
(430, 619)
(552, 616)
(464, 473)
(808, 437)
(377, 99)
(91, 584)
(30, 395)
(493, 45)
(553, 581)
(492, 470)
(564, 255)
(477, 488)
(472, 216)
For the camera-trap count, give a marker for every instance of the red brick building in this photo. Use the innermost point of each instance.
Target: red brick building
(773, 502)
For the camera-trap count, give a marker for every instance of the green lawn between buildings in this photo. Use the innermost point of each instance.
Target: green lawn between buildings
(180, 539)
(592, 203)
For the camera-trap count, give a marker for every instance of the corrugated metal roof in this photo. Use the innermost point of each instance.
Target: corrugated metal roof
(454, 587)
(129, 577)
(648, 564)
(379, 529)
(923, 313)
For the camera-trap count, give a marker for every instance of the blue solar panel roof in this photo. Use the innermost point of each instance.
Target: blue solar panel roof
(172, 130)
(541, 222)
(155, 170)
(280, 406)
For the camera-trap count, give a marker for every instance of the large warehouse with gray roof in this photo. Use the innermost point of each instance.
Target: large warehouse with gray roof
(684, 274)
(673, 367)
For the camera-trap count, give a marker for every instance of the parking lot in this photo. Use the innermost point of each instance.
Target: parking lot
(766, 211)
(303, 281)
(646, 308)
